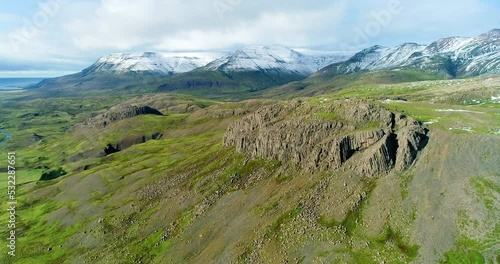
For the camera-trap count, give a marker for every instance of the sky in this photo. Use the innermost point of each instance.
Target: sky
(55, 37)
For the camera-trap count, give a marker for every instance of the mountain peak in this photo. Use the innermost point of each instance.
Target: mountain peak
(409, 44)
(128, 55)
(272, 57)
(448, 44)
(370, 50)
(149, 54)
(276, 46)
(456, 56)
(494, 33)
(374, 48)
(144, 62)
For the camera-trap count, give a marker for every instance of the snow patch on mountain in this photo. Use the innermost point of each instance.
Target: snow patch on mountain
(146, 62)
(456, 56)
(273, 58)
(447, 45)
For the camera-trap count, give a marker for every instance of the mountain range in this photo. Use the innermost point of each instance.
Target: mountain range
(454, 56)
(145, 62)
(257, 68)
(273, 58)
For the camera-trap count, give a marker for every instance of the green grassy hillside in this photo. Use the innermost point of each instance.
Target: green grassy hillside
(323, 83)
(227, 86)
(232, 86)
(186, 198)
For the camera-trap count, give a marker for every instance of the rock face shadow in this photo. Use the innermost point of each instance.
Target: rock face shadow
(356, 135)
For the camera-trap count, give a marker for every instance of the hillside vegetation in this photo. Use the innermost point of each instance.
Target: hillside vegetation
(360, 172)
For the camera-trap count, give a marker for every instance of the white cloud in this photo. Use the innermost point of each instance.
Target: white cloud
(124, 25)
(276, 28)
(158, 23)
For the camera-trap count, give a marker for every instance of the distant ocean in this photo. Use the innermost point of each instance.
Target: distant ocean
(17, 83)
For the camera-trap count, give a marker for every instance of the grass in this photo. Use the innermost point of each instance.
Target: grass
(469, 248)
(405, 180)
(23, 177)
(51, 118)
(390, 246)
(185, 170)
(328, 116)
(243, 257)
(267, 208)
(361, 84)
(154, 160)
(281, 178)
(452, 118)
(328, 223)
(35, 236)
(486, 189)
(275, 229)
(464, 257)
(223, 86)
(466, 252)
(409, 250)
(378, 91)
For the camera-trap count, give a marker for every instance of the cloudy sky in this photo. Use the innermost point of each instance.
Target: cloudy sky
(53, 37)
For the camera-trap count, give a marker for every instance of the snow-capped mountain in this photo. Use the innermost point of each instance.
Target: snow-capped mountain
(251, 69)
(145, 62)
(256, 68)
(266, 58)
(445, 45)
(455, 56)
(378, 57)
(274, 58)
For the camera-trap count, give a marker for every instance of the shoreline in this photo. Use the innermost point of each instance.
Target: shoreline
(18, 84)
(8, 137)
(12, 90)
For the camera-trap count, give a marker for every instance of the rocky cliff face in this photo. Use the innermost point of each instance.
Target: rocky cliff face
(114, 114)
(326, 135)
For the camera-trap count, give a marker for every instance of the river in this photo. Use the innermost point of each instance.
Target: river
(8, 136)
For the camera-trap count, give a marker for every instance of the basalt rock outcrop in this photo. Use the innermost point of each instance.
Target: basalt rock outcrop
(114, 114)
(128, 142)
(111, 148)
(323, 135)
(35, 138)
